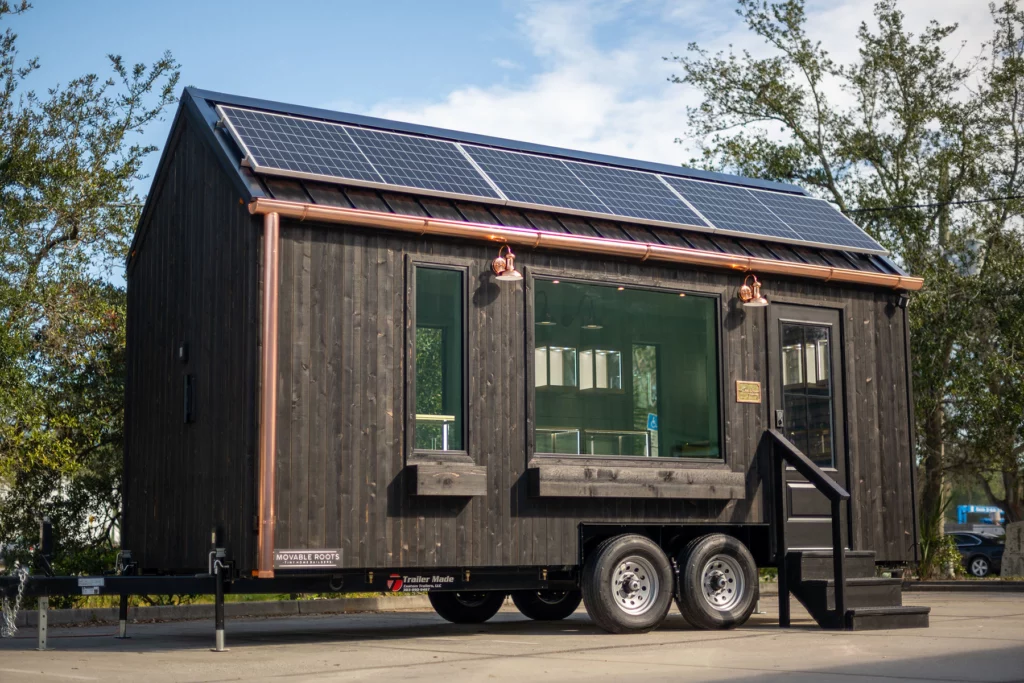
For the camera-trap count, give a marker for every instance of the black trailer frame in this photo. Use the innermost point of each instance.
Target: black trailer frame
(767, 541)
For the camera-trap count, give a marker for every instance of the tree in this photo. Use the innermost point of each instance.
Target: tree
(900, 140)
(69, 164)
(988, 393)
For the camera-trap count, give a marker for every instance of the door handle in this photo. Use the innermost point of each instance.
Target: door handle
(780, 420)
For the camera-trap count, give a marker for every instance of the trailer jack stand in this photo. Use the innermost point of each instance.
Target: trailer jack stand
(218, 607)
(122, 619)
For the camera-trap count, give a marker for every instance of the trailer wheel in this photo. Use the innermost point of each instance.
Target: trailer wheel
(473, 607)
(547, 605)
(627, 584)
(717, 582)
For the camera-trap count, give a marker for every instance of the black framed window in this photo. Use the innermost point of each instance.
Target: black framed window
(625, 372)
(807, 390)
(439, 422)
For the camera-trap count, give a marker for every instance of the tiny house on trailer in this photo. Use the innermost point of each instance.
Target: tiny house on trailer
(397, 358)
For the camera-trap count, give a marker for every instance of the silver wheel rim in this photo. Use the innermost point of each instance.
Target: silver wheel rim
(979, 567)
(722, 583)
(634, 585)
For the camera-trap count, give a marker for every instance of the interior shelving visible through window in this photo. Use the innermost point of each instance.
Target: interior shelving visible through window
(622, 371)
(439, 424)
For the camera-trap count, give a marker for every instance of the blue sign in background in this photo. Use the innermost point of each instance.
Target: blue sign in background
(652, 422)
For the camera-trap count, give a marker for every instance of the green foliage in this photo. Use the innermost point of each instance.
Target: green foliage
(907, 142)
(948, 557)
(429, 368)
(68, 167)
(932, 541)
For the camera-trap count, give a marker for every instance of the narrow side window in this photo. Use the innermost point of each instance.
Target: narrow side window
(440, 360)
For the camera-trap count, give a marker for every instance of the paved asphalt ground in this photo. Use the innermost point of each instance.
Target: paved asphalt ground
(973, 637)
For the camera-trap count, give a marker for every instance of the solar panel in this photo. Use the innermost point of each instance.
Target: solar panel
(307, 147)
(815, 220)
(634, 194)
(310, 148)
(302, 146)
(535, 180)
(731, 208)
(421, 162)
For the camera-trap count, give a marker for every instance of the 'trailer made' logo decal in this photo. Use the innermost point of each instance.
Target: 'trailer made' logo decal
(416, 584)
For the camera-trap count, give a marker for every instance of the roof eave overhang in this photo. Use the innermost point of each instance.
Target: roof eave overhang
(642, 251)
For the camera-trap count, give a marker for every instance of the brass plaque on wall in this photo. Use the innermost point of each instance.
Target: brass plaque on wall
(748, 392)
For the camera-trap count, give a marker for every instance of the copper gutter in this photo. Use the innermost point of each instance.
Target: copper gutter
(268, 397)
(593, 245)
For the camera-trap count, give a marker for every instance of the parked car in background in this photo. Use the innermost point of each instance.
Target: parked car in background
(983, 554)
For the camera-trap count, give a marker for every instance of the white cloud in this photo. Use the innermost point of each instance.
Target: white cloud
(615, 98)
(507, 64)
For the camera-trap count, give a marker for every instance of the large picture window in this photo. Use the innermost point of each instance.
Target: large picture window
(625, 372)
(439, 359)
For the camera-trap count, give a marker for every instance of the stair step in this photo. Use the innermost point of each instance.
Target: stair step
(817, 564)
(860, 592)
(879, 618)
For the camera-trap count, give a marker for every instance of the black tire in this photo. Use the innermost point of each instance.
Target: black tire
(474, 607)
(718, 582)
(627, 584)
(547, 605)
(979, 566)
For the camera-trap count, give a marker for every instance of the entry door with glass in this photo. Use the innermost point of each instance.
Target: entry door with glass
(806, 394)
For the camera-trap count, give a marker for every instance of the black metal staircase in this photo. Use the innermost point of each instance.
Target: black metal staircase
(871, 602)
(838, 587)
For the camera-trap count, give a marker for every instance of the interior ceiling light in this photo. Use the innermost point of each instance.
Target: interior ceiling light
(750, 294)
(544, 316)
(504, 267)
(590, 320)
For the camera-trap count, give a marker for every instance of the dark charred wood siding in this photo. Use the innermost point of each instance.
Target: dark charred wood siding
(193, 280)
(341, 476)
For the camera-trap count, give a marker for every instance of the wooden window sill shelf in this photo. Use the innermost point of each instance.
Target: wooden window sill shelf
(597, 480)
(447, 479)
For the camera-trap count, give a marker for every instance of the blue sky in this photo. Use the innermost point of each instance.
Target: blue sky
(584, 74)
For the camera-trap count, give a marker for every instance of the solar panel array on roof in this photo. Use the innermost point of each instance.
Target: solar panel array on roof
(309, 148)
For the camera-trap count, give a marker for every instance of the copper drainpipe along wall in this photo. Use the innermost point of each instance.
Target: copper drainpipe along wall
(534, 238)
(268, 397)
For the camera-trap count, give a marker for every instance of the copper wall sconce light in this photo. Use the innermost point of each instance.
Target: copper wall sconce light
(504, 266)
(750, 294)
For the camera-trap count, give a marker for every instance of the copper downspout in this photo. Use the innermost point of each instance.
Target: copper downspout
(268, 397)
(593, 245)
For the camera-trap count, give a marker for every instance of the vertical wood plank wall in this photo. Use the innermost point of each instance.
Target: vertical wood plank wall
(194, 280)
(342, 418)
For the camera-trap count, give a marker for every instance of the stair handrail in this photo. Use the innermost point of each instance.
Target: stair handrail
(783, 452)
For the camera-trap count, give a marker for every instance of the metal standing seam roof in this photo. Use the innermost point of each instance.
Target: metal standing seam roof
(200, 107)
